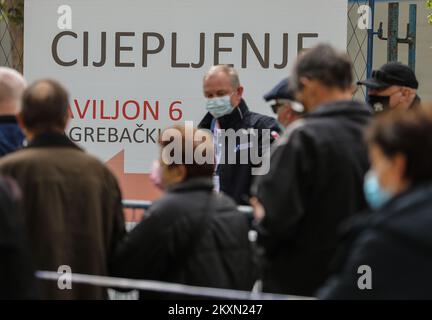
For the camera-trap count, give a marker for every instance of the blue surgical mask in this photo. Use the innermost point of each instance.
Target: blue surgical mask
(219, 106)
(375, 195)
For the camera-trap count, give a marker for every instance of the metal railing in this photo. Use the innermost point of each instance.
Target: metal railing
(146, 204)
(165, 287)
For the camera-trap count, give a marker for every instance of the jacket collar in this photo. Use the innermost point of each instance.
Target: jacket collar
(401, 202)
(51, 139)
(230, 120)
(200, 183)
(409, 197)
(340, 107)
(9, 119)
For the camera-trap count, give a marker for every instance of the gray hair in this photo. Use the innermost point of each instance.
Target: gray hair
(228, 70)
(12, 86)
(325, 64)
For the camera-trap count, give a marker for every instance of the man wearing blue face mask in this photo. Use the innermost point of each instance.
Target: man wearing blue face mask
(227, 110)
(393, 246)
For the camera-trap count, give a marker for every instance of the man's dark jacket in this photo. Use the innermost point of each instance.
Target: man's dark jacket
(11, 136)
(17, 280)
(236, 179)
(396, 243)
(72, 210)
(315, 182)
(192, 236)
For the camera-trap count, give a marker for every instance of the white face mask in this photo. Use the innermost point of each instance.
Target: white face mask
(219, 106)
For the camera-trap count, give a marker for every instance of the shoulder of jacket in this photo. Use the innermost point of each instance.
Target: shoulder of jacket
(169, 203)
(296, 131)
(223, 202)
(17, 157)
(260, 121)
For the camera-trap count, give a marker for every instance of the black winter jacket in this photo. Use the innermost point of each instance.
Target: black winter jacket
(396, 244)
(315, 182)
(190, 236)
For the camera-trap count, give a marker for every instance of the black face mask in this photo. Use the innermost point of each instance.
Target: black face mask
(379, 103)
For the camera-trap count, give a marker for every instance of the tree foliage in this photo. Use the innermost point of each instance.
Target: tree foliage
(13, 11)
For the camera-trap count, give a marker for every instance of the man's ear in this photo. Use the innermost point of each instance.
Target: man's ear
(180, 173)
(240, 91)
(408, 93)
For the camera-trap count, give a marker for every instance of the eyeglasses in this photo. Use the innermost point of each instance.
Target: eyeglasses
(296, 107)
(280, 103)
(276, 106)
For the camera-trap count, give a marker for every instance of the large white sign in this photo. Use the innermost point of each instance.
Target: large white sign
(134, 67)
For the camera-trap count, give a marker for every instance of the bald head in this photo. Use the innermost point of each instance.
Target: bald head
(45, 107)
(12, 86)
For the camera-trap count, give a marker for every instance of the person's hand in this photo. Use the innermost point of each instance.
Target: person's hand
(259, 211)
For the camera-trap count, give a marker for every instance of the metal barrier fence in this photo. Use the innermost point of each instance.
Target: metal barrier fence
(145, 204)
(134, 206)
(164, 287)
(137, 205)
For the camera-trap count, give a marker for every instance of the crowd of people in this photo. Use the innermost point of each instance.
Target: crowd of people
(344, 211)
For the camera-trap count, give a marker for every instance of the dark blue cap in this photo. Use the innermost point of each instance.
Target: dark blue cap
(283, 90)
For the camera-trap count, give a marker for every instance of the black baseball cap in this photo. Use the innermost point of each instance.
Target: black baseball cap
(390, 74)
(283, 90)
